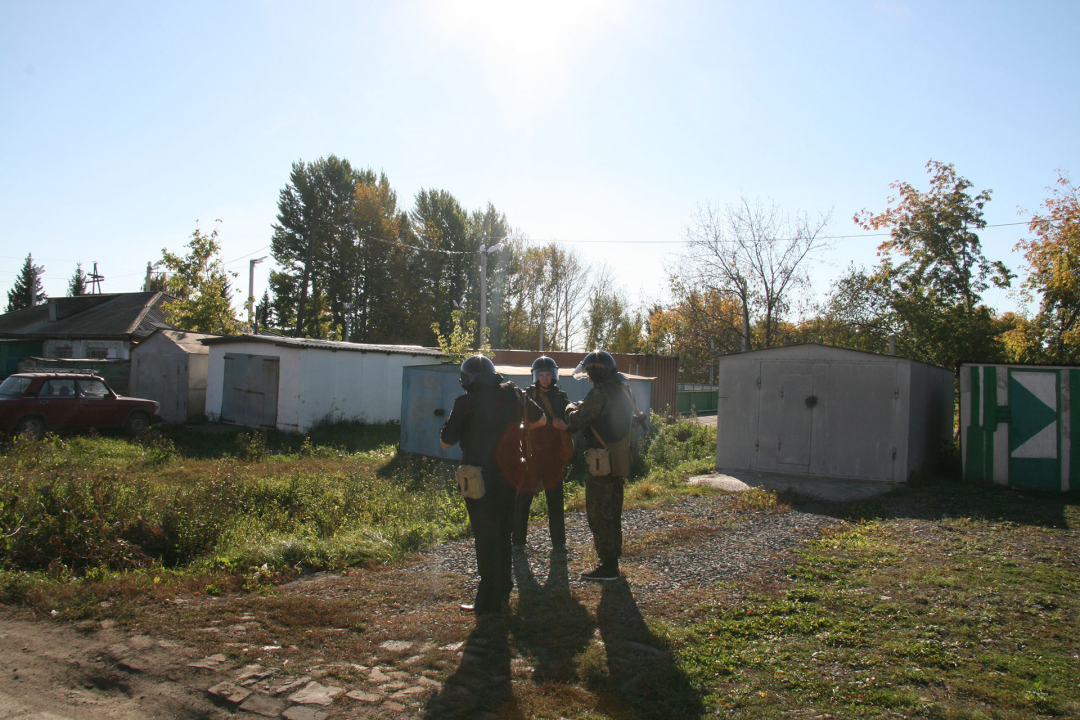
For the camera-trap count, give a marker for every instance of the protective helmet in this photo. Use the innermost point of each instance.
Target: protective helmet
(477, 369)
(598, 365)
(544, 363)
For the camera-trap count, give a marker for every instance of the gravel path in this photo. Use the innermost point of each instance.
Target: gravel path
(691, 544)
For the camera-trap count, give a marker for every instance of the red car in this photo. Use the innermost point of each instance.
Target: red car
(36, 402)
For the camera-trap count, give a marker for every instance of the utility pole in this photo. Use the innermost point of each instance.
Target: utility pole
(149, 275)
(95, 281)
(251, 290)
(483, 289)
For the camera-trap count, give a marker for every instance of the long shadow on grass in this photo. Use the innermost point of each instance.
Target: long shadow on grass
(481, 684)
(937, 498)
(643, 680)
(549, 625)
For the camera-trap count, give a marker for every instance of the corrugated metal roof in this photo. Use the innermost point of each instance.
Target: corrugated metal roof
(332, 345)
(120, 315)
(795, 347)
(190, 342)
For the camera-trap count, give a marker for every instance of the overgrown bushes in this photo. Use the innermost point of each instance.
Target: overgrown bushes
(72, 506)
(672, 442)
(243, 499)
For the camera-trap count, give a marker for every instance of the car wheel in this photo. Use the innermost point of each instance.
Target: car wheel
(137, 423)
(32, 426)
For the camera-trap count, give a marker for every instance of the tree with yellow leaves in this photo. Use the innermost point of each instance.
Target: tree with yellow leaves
(1052, 278)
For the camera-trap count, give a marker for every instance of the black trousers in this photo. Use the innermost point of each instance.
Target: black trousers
(491, 518)
(556, 516)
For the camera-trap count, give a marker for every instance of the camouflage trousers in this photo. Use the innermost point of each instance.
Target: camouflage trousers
(603, 507)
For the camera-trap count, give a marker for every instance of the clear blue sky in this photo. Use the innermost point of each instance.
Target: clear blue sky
(124, 123)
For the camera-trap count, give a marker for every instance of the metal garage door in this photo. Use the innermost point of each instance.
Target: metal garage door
(785, 419)
(250, 390)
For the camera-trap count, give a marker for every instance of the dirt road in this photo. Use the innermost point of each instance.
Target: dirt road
(390, 642)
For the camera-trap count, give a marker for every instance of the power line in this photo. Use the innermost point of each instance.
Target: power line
(682, 242)
(244, 257)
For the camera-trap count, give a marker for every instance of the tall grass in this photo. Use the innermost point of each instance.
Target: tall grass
(73, 505)
(207, 498)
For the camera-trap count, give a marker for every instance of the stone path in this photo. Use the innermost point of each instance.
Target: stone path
(383, 690)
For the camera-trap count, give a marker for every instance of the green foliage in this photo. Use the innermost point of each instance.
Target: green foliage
(609, 324)
(678, 440)
(316, 245)
(252, 444)
(928, 287)
(77, 284)
(200, 284)
(27, 290)
(344, 245)
(539, 287)
(71, 508)
(458, 343)
(1052, 335)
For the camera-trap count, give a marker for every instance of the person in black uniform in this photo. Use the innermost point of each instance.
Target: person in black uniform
(550, 449)
(604, 418)
(488, 413)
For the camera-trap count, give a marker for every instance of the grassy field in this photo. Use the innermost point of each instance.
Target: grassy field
(942, 600)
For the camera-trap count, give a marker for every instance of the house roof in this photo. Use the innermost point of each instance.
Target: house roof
(332, 345)
(189, 342)
(128, 316)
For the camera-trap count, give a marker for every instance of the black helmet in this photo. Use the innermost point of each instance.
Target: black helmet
(477, 369)
(599, 366)
(547, 364)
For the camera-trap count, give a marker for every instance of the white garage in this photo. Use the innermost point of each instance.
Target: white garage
(170, 367)
(294, 384)
(825, 411)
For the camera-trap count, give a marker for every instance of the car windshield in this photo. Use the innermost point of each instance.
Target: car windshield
(15, 386)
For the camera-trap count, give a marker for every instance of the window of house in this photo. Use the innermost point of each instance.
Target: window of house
(62, 352)
(98, 353)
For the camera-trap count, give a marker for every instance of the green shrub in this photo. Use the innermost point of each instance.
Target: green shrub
(673, 442)
(93, 504)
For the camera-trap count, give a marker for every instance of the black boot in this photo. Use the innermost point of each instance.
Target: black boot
(607, 571)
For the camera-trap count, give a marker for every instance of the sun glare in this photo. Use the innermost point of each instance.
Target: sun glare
(527, 47)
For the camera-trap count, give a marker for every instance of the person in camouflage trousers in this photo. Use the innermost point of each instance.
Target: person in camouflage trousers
(607, 411)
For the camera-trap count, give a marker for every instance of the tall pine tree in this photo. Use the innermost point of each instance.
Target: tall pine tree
(77, 283)
(27, 291)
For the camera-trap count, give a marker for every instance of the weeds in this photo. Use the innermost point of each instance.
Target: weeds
(675, 441)
(78, 507)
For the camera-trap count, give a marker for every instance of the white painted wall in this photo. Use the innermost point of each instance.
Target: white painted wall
(316, 384)
(80, 348)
